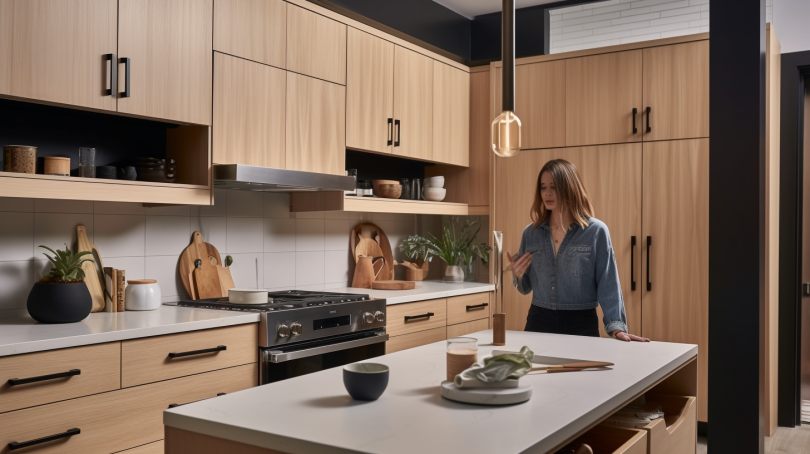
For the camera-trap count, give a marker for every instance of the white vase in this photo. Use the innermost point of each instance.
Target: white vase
(454, 274)
(142, 295)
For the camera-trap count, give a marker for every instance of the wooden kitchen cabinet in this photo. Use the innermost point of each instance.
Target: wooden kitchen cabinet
(676, 220)
(252, 29)
(601, 92)
(316, 45)
(169, 44)
(451, 115)
(316, 125)
(419, 338)
(249, 113)
(369, 93)
(676, 89)
(413, 104)
(54, 51)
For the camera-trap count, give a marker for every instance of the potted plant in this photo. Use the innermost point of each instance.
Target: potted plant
(61, 296)
(419, 250)
(470, 249)
(450, 248)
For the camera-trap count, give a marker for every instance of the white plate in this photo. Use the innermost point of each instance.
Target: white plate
(488, 396)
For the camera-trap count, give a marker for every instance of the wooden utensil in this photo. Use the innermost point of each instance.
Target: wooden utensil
(364, 274)
(367, 247)
(93, 271)
(206, 277)
(393, 285)
(375, 233)
(225, 279)
(186, 264)
(571, 367)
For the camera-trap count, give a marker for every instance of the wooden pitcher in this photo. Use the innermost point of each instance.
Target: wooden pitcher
(364, 273)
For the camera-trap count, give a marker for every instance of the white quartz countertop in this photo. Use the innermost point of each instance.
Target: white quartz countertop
(314, 414)
(425, 290)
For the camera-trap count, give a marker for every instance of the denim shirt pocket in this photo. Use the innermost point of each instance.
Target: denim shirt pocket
(578, 259)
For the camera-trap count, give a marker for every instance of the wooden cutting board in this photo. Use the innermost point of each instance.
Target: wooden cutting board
(393, 285)
(368, 230)
(225, 279)
(93, 271)
(206, 277)
(187, 259)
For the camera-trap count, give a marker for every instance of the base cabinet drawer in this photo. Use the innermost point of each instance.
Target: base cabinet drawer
(151, 448)
(677, 431)
(614, 440)
(466, 308)
(462, 329)
(412, 340)
(176, 355)
(412, 317)
(116, 420)
(44, 377)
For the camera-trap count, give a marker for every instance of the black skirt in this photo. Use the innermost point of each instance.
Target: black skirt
(575, 323)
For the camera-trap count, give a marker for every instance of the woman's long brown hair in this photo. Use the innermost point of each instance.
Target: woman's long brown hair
(570, 192)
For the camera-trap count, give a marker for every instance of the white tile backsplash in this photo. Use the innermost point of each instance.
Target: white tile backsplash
(165, 270)
(16, 279)
(276, 205)
(134, 266)
(123, 236)
(309, 234)
(247, 270)
(336, 267)
(279, 270)
(16, 204)
(214, 231)
(62, 206)
(337, 234)
(309, 268)
(57, 229)
(166, 234)
(245, 204)
(245, 235)
(17, 237)
(279, 235)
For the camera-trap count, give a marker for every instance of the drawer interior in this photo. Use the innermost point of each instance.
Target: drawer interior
(613, 440)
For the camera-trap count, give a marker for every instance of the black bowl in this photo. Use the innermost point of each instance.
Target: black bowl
(365, 381)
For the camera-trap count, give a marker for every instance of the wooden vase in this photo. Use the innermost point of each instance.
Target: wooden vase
(57, 166)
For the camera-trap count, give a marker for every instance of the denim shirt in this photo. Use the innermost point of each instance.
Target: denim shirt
(582, 276)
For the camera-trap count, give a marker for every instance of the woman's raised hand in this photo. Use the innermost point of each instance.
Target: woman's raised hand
(520, 264)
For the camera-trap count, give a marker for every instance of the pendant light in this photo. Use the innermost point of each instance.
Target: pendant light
(506, 127)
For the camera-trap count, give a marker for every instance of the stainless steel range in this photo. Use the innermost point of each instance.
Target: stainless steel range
(302, 332)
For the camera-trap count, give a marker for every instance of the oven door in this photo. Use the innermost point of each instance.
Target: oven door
(282, 362)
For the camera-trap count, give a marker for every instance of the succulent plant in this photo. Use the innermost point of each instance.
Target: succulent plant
(67, 266)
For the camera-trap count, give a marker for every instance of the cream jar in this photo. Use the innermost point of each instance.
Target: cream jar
(142, 295)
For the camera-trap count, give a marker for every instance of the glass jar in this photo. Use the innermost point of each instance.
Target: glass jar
(462, 352)
(352, 173)
(406, 188)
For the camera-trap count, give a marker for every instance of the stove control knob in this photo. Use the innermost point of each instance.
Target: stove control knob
(296, 329)
(379, 316)
(368, 318)
(283, 331)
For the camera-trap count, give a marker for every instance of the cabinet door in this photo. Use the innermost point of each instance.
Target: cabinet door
(539, 103)
(451, 114)
(601, 93)
(612, 178)
(316, 126)
(413, 104)
(53, 50)
(676, 219)
(676, 90)
(249, 118)
(316, 45)
(252, 29)
(169, 45)
(369, 92)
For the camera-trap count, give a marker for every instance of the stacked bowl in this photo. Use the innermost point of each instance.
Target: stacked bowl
(434, 190)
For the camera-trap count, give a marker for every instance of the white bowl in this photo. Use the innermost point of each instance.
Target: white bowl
(247, 296)
(434, 194)
(434, 182)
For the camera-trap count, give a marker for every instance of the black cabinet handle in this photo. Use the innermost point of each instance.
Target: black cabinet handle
(22, 381)
(633, 263)
(390, 131)
(478, 306)
(24, 444)
(648, 120)
(218, 348)
(649, 284)
(112, 91)
(414, 317)
(635, 111)
(398, 126)
(127, 64)
(177, 405)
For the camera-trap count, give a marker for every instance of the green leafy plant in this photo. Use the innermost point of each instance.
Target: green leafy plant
(67, 266)
(451, 247)
(418, 249)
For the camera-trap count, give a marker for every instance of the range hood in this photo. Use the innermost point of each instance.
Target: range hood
(265, 179)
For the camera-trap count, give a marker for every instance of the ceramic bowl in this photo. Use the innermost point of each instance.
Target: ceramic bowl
(434, 182)
(365, 381)
(377, 183)
(247, 296)
(434, 194)
(388, 191)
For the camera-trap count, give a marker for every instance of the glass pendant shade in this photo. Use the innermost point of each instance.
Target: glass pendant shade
(506, 134)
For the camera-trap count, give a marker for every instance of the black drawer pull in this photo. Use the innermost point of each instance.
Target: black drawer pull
(127, 63)
(414, 317)
(218, 348)
(177, 405)
(398, 126)
(648, 120)
(23, 381)
(112, 91)
(633, 263)
(390, 131)
(649, 284)
(24, 444)
(477, 306)
(635, 129)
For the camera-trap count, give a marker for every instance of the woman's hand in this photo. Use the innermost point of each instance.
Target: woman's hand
(622, 336)
(520, 264)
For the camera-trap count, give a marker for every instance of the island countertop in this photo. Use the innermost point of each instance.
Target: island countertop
(313, 413)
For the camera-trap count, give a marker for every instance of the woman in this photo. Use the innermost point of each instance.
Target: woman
(566, 260)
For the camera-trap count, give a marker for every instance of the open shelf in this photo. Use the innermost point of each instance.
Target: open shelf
(336, 201)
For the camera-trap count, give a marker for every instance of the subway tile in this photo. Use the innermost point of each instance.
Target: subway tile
(636, 11)
(698, 2)
(660, 28)
(169, 210)
(643, 3)
(673, 19)
(597, 5)
(699, 23)
(308, 215)
(555, 18)
(245, 235)
(16, 280)
(16, 204)
(576, 14)
(134, 266)
(768, 2)
(579, 34)
(622, 27)
(704, 29)
(245, 204)
(17, 237)
(220, 206)
(311, 288)
(635, 39)
(585, 20)
(247, 270)
(213, 229)
(704, 14)
(555, 32)
(339, 215)
(569, 9)
(118, 208)
(279, 235)
(56, 229)
(166, 235)
(638, 18)
(680, 11)
(670, 5)
(611, 8)
(336, 267)
(62, 206)
(568, 42)
(276, 205)
(279, 270)
(309, 234)
(309, 268)
(610, 42)
(704, 7)
(164, 269)
(604, 36)
(337, 235)
(556, 50)
(573, 28)
(682, 32)
(592, 25)
(121, 235)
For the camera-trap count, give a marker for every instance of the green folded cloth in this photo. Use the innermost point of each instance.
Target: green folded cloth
(509, 365)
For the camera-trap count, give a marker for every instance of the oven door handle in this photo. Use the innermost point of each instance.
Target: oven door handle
(277, 356)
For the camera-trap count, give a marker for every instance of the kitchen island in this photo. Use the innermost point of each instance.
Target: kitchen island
(313, 413)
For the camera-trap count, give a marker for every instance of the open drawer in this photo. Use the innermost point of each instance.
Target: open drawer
(677, 431)
(613, 440)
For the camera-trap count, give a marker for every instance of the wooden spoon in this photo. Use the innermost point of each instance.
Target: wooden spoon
(571, 367)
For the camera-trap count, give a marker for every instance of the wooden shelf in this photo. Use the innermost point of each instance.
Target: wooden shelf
(336, 201)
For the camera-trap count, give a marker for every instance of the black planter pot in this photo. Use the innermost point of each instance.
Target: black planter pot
(59, 303)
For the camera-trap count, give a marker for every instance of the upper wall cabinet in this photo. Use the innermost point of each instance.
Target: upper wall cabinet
(602, 94)
(451, 115)
(167, 48)
(316, 45)
(676, 91)
(413, 104)
(252, 29)
(53, 50)
(369, 93)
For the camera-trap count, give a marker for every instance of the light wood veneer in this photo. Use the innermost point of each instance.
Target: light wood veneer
(397, 326)
(151, 448)
(462, 329)
(413, 104)
(457, 311)
(416, 339)
(252, 29)
(316, 45)
(451, 119)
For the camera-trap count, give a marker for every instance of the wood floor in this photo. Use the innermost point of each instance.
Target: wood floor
(784, 441)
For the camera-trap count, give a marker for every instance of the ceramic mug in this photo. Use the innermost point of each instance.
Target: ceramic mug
(142, 295)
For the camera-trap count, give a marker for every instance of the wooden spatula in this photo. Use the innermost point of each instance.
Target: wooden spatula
(93, 271)
(571, 367)
(206, 276)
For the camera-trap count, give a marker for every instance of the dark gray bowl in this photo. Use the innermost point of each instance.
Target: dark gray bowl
(365, 381)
